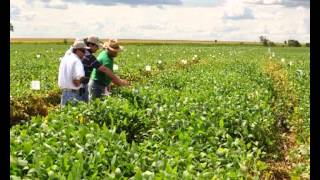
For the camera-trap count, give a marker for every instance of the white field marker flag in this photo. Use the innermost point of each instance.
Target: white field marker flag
(184, 61)
(35, 85)
(115, 67)
(148, 68)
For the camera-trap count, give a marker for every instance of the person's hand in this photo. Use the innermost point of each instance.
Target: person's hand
(85, 80)
(76, 82)
(109, 88)
(125, 82)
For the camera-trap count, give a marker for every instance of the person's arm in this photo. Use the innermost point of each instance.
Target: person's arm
(115, 79)
(78, 73)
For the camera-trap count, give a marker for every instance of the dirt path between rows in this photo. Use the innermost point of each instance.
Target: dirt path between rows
(283, 108)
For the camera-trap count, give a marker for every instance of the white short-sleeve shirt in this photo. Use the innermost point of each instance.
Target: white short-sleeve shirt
(68, 52)
(70, 68)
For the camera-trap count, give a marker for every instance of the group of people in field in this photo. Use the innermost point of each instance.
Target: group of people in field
(84, 77)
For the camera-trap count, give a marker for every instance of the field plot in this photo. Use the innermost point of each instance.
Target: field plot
(196, 112)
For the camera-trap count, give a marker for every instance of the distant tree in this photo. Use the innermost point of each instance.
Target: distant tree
(293, 43)
(307, 44)
(285, 42)
(65, 41)
(270, 43)
(215, 41)
(264, 40)
(11, 27)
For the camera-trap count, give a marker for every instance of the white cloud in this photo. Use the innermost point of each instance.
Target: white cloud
(127, 2)
(18, 12)
(55, 4)
(14, 11)
(288, 3)
(231, 20)
(235, 9)
(282, 23)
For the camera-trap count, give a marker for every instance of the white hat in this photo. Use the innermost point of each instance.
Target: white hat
(79, 44)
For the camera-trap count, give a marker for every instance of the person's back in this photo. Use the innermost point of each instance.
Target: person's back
(100, 77)
(89, 64)
(67, 72)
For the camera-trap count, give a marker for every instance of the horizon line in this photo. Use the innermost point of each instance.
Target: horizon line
(139, 39)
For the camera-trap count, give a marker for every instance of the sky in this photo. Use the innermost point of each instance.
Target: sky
(223, 20)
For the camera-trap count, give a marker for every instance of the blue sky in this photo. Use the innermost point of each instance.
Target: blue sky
(230, 20)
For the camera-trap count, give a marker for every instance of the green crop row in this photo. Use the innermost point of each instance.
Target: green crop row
(211, 119)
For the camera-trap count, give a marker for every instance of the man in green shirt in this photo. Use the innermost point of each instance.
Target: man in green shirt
(99, 81)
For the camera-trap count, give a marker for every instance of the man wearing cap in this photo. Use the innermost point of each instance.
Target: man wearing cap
(90, 62)
(71, 74)
(69, 51)
(99, 81)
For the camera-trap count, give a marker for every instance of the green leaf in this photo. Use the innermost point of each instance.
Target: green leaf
(168, 168)
(261, 165)
(76, 171)
(114, 158)
(101, 149)
(221, 123)
(12, 177)
(138, 173)
(27, 147)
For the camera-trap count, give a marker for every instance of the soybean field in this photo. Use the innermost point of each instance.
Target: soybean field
(192, 112)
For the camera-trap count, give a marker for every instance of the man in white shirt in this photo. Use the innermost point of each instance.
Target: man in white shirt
(71, 73)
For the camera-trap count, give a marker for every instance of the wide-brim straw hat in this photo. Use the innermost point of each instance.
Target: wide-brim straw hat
(113, 45)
